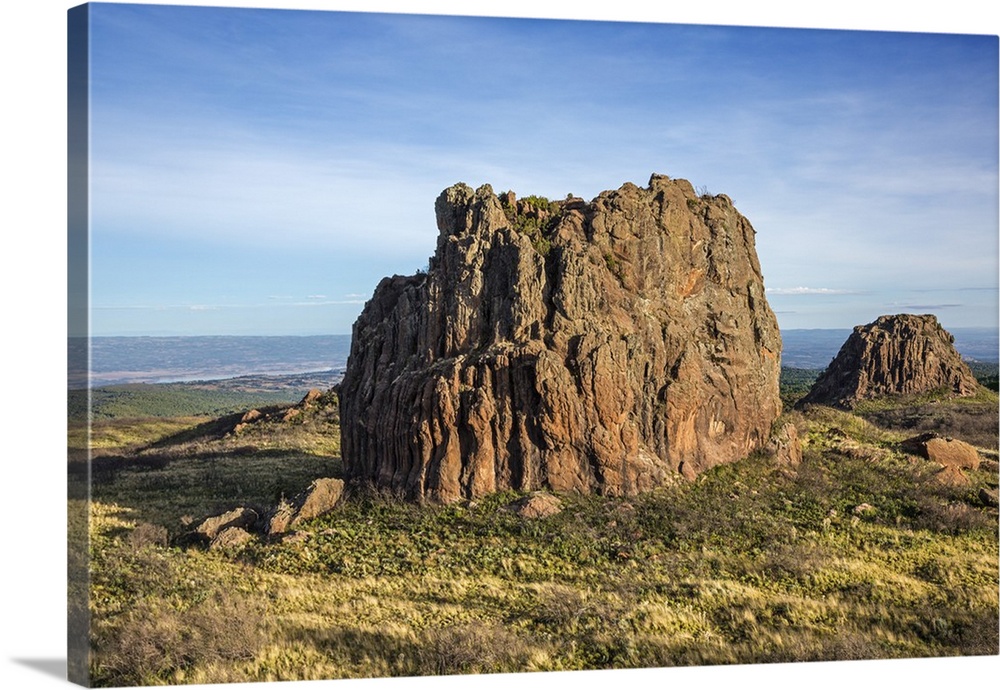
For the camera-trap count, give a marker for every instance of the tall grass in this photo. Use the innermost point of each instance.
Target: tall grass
(856, 553)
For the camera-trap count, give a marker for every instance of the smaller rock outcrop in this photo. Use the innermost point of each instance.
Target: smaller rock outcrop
(314, 403)
(236, 527)
(898, 355)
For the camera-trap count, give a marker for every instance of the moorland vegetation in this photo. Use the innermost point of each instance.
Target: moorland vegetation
(857, 552)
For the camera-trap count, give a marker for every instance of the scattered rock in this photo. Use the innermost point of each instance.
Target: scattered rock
(314, 402)
(246, 420)
(989, 497)
(785, 446)
(242, 517)
(944, 451)
(989, 466)
(312, 396)
(321, 497)
(230, 537)
(295, 537)
(950, 475)
(591, 347)
(537, 505)
(903, 354)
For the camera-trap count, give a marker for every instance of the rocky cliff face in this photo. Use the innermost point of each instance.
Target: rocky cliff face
(572, 346)
(903, 354)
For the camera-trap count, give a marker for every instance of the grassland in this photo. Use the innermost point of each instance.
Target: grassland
(194, 398)
(856, 553)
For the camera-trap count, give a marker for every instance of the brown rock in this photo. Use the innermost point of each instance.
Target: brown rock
(312, 396)
(230, 537)
(239, 517)
(280, 520)
(989, 497)
(537, 505)
(785, 446)
(896, 355)
(295, 537)
(950, 475)
(604, 348)
(321, 497)
(944, 451)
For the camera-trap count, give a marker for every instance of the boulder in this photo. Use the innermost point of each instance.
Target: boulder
(949, 475)
(785, 446)
(989, 497)
(601, 346)
(250, 416)
(321, 497)
(896, 355)
(948, 452)
(241, 517)
(312, 396)
(230, 537)
(537, 505)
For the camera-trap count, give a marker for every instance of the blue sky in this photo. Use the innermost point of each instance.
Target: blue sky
(258, 171)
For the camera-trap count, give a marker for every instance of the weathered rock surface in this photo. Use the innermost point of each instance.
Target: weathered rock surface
(570, 346)
(903, 354)
(241, 517)
(536, 506)
(949, 475)
(989, 497)
(785, 445)
(948, 452)
(230, 537)
(315, 403)
(319, 498)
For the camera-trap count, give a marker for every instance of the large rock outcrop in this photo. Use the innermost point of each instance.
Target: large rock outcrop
(569, 346)
(896, 355)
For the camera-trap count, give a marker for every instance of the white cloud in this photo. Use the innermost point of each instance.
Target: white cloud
(809, 291)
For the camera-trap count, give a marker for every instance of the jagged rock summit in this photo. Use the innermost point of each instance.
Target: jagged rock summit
(901, 354)
(566, 346)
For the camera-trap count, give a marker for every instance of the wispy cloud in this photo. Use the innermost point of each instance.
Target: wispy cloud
(216, 131)
(930, 307)
(810, 291)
